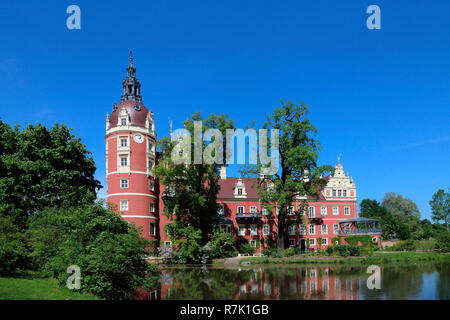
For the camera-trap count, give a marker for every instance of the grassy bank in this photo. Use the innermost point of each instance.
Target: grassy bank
(376, 258)
(30, 286)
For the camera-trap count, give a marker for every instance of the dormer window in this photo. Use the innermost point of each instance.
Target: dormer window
(124, 122)
(239, 189)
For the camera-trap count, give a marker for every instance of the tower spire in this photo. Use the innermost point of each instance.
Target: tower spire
(131, 85)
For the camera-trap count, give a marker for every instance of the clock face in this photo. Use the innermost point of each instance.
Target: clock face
(138, 138)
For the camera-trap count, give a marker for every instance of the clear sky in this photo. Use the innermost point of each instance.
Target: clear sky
(379, 97)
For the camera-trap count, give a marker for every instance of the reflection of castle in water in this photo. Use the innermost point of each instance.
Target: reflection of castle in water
(308, 283)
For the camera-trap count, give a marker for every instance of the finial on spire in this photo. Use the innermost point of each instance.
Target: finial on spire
(170, 127)
(339, 158)
(131, 57)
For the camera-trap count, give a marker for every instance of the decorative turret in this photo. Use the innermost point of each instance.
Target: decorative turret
(131, 85)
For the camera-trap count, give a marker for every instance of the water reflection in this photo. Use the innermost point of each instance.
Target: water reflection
(301, 283)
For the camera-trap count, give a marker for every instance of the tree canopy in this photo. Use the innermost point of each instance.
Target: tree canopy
(299, 172)
(41, 167)
(191, 188)
(440, 207)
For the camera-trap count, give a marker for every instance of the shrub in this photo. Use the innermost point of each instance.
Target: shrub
(368, 250)
(443, 242)
(354, 250)
(267, 252)
(342, 250)
(245, 247)
(222, 245)
(191, 249)
(330, 250)
(14, 251)
(109, 251)
(277, 253)
(289, 252)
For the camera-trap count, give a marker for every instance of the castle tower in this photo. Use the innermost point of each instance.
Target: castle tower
(130, 157)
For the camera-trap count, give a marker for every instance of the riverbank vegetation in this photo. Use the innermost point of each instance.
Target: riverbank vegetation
(377, 258)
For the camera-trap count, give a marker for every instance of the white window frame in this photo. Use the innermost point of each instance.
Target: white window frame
(346, 211)
(266, 230)
(312, 242)
(335, 211)
(293, 243)
(265, 211)
(150, 229)
(336, 228)
(311, 212)
(334, 192)
(239, 191)
(302, 229)
(253, 230)
(326, 228)
(324, 241)
(152, 207)
(323, 210)
(123, 205)
(252, 209)
(241, 230)
(344, 193)
(253, 243)
(291, 210)
(291, 230)
(122, 184)
(168, 244)
(151, 186)
(121, 161)
(243, 209)
(339, 193)
(221, 210)
(313, 228)
(122, 139)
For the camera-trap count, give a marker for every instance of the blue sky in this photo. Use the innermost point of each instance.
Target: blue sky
(379, 97)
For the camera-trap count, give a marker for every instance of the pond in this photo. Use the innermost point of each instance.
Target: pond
(301, 282)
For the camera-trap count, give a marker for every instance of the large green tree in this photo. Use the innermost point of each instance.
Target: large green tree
(373, 209)
(299, 172)
(406, 211)
(192, 188)
(440, 207)
(42, 167)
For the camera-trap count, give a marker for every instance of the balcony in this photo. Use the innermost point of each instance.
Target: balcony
(242, 215)
(358, 231)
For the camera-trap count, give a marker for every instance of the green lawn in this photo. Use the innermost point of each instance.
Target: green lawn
(32, 287)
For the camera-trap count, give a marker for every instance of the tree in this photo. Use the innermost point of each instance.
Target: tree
(14, 247)
(191, 188)
(109, 251)
(373, 209)
(42, 167)
(440, 207)
(298, 153)
(406, 211)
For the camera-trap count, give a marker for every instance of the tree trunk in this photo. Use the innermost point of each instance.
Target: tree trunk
(281, 243)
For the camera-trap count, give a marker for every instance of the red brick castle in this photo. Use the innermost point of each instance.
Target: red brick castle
(130, 156)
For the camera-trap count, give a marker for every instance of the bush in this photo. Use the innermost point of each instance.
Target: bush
(245, 247)
(443, 242)
(289, 252)
(267, 252)
(222, 245)
(368, 250)
(342, 250)
(14, 251)
(191, 249)
(330, 250)
(277, 253)
(354, 251)
(109, 251)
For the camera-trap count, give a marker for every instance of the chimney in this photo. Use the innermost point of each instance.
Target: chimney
(223, 172)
